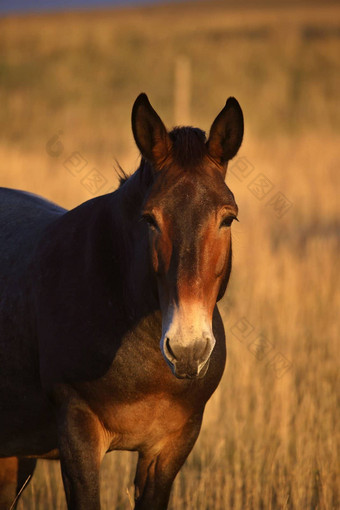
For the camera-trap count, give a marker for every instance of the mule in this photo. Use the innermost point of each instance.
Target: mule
(110, 335)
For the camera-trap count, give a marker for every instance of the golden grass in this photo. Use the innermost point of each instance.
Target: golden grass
(270, 439)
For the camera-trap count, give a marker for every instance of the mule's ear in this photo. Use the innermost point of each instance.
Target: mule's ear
(226, 132)
(150, 134)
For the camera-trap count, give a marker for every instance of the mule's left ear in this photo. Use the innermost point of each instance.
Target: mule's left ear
(149, 132)
(226, 133)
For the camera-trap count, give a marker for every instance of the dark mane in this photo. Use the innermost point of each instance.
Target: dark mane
(188, 145)
(133, 187)
(121, 174)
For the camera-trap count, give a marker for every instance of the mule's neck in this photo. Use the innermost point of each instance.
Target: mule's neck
(130, 241)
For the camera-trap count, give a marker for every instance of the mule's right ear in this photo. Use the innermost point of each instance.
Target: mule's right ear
(150, 134)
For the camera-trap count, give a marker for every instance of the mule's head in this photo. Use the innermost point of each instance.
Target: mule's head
(189, 211)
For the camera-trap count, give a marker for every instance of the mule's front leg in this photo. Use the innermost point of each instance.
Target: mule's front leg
(156, 472)
(81, 451)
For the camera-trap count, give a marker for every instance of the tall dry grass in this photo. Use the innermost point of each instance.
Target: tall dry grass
(270, 438)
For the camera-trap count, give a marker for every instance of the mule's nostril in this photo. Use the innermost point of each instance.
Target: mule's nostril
(207, 348)
(168, 348)
(203, 350)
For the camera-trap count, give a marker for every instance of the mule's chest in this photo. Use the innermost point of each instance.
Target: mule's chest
(147, 423)
(139, 401)
(141, 408)
(141, 404)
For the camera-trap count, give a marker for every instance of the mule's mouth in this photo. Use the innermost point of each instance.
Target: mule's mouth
(194, 374)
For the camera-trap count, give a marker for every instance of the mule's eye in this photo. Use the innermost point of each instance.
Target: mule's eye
(150, 220)
(227, 221)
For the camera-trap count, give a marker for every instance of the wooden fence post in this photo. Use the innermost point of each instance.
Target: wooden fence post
(182, 92)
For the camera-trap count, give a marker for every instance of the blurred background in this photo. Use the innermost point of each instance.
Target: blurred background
(69, 74)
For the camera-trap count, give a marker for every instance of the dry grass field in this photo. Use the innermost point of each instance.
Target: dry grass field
(270, 438)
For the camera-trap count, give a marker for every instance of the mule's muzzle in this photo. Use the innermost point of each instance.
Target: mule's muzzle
(188, 361)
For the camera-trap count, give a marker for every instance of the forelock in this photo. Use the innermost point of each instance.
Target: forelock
(188, 146)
